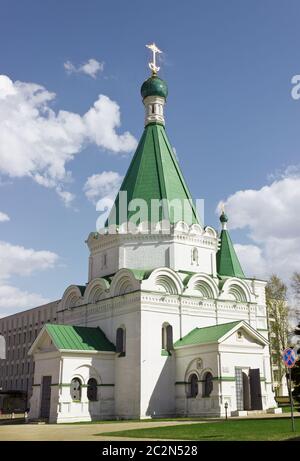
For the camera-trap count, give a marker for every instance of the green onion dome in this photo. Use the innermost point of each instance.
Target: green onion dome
(154, 86)
(223, 217)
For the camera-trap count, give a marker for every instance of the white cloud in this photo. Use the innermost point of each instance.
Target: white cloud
(252, 260)
(271, 216)
(19, 261)
(37, 142)
(102, 185)
(66, 196)
(12, 299)
(92, 67)
(101, 189)
(4, 217)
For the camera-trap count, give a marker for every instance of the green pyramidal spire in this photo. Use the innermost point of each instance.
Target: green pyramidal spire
(154, 172)
(228, 264)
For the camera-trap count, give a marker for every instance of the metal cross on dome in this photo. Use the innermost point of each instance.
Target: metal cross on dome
(152, 64)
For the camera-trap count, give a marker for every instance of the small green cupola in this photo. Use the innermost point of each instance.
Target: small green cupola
(154, 86)
(228, 264)
(223, 218)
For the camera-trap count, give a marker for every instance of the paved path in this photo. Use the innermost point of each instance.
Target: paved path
(80, 432)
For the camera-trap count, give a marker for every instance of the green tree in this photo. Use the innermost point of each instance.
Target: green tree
(276, 301)
(295, 285)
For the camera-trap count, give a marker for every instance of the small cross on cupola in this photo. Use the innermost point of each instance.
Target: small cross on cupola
(154, 92)
(223, 218)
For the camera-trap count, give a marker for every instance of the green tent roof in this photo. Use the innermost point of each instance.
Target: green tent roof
(227, 261)
(154, 173)
(79, 338)
(206, 335)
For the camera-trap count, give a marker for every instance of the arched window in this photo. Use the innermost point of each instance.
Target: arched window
(195, 256)
(167, 337)
(92, 390)
(193, 385)
(76, 389)
(121, 342)
(207, 384)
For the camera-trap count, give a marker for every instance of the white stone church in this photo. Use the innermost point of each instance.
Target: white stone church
(168, 324)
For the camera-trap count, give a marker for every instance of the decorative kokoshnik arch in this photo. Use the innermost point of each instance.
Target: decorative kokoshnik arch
(237, 290)
(202, 285)
(164, 280)
(96, 290)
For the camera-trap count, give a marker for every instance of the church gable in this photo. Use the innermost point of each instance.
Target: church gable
(234, 333)
(244, 336)
(43, 343)
(71, 338)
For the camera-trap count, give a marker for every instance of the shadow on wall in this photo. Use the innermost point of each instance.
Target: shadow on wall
(162, 400)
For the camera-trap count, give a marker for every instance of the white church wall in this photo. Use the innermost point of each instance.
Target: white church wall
(157, 370)
(197, 360)
(127, 368)
(149, 255)
(46, 364)
(183, 258)
(109, 315)
(111, 252)
(221, 360)
(104, 262)
(141, 372)
(99, 366)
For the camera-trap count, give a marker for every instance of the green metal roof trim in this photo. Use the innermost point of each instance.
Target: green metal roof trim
(154, 173)
(141, 274)
(81, 289)
(79, 338)
(227, 261)
(186, 276)
(206, 335)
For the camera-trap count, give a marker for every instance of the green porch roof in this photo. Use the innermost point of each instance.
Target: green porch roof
(206, 335)
(228, 264)
(79, 338)
(154, 173)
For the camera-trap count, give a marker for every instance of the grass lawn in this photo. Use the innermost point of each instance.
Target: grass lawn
(148, 420)
(254, 429)
(288, 409)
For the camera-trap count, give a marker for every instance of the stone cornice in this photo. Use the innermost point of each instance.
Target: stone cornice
(106, 241)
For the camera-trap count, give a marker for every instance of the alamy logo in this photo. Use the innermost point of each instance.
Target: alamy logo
(154, 215)
(295, 92)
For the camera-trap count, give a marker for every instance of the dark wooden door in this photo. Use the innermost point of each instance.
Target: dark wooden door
(246, 392)
(46, 397)
(255, 389)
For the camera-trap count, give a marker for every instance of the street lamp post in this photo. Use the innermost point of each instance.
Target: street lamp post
(226, 407)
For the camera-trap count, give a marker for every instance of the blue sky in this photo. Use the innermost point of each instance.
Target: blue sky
(229, 115)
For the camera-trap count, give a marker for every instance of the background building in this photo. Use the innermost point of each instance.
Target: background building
(18, 332)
